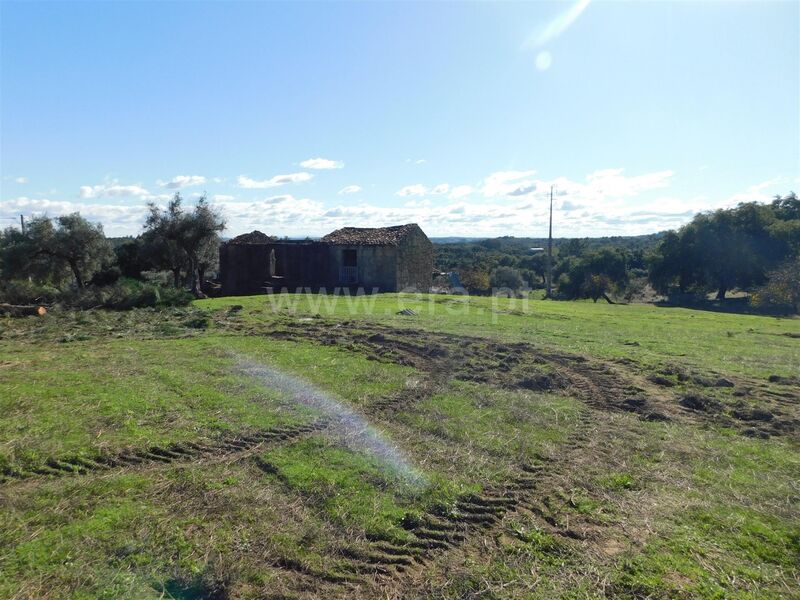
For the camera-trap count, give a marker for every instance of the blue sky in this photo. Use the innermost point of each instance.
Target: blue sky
(298, 118)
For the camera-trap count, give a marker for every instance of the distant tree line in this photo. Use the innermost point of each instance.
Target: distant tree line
(754, 247)
(728, 249)
(56, 256)
(582, 268)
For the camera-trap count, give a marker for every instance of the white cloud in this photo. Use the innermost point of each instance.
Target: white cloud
(417, 161)
(117, 219)
(460, 191)
(321, 163)
(605, 185)
(350, 189)
(248, 183)
(605, 202)
(755, 193)
(502, 183)
(112, 189)
(21, 179)
(413, 190)
(182, 181)
(420, 190)
(611, 182)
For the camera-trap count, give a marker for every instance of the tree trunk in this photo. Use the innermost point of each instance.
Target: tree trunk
(607, 299)
(176, 277)
(721, 291)
(76, 272)
(194, 279)
(17, 310)
(201, 278)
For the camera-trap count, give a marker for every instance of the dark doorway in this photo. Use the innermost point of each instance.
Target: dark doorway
(349, 258)
(349, 270)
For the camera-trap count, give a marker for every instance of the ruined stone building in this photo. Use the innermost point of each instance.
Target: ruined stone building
(388, 259)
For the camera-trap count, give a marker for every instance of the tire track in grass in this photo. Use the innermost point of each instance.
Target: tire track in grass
(170, 453)
(386, 561)
(443, 530)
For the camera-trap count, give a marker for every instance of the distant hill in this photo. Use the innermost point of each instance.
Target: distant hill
(455, 240)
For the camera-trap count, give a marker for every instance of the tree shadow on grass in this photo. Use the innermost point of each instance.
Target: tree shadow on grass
(741, 306)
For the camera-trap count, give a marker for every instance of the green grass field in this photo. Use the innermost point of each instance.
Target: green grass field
(309, 446)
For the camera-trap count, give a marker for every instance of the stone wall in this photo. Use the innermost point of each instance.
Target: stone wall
(245, 268)
(415, 262)
(377, 266)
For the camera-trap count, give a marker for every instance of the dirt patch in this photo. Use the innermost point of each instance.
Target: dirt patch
(753, 414)
(661, 380)
(784, 380)
(697, 402)
(542, 383)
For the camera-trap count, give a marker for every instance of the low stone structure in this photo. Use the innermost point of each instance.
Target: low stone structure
(384, 259)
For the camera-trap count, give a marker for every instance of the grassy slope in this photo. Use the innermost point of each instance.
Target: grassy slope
(673, 508)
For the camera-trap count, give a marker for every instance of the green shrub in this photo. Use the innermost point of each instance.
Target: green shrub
(125, 294)
(22, 291)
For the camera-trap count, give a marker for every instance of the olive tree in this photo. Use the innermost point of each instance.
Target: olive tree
(183, 237)
(782, 287)
(51, 248)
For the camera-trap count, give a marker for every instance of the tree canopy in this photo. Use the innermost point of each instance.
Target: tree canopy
(179, 239)
(727, 248)
(50, 249)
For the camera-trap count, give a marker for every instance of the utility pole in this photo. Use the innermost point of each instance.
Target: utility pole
(22, 223)
(550, 250)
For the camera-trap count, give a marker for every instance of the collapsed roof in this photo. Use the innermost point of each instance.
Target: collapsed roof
(254, 237)
(370, 236)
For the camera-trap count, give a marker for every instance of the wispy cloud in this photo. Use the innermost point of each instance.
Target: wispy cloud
(112, 189)
(461, 191)
(419, 189)
(601, 185)
(349, 189)
(755, 193)
(21, 179)
(604, 202)
(502, 183)
(117, 219)
(412, 190)
(321, 163)
(246, 182)
(182, 181)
